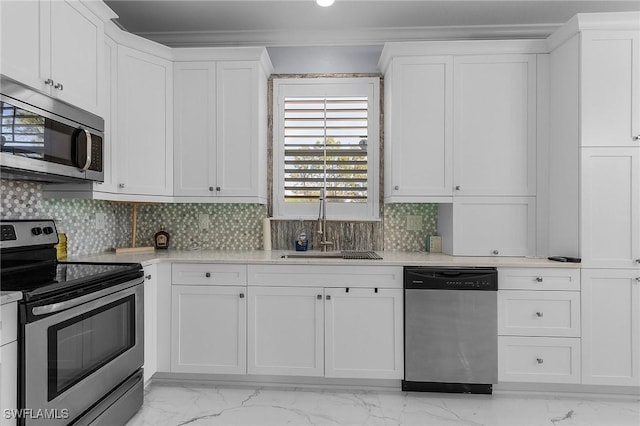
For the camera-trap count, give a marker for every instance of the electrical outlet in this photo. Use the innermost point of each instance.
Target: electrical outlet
(414, 223)
(101, 221)
(203, 221)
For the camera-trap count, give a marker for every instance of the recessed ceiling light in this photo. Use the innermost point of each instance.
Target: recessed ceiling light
(324, 3)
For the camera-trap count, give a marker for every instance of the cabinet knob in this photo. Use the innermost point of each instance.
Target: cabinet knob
(636, 137)
(638, 279)
(121, 185)
(495, 252)
(217, 188)
(208, 274)
(540, 360)
(211, 188)
(396, 187)
(241, 295)
(48, 82)
(319, 297)
(328, 297)
(637, 260)
(147, 277)
(458, 188)
(59, 86)
(539, 314)
(539, 279)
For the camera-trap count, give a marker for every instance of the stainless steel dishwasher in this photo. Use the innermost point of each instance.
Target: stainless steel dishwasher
(450, 329)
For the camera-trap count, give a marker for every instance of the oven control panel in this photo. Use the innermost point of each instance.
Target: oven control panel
(22, 233)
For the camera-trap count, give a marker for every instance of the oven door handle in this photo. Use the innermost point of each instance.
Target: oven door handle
(61, 306)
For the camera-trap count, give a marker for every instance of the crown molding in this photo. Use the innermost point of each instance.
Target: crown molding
(613, 21)
(347, 37)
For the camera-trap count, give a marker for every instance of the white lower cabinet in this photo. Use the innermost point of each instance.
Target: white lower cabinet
(331, 332)
(611, 327)
(150, 322)
(539, 325)
(208, 329)
(285, 331)
(538, 359)
(9, 380)
(363, 333)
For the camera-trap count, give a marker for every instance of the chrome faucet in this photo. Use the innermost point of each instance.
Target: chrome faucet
(321, 229)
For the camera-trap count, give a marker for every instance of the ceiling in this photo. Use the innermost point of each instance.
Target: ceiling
(347, 22)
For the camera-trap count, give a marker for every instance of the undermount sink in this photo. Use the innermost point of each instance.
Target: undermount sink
(346, 254)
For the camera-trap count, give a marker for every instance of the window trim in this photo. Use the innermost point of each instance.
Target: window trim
(327, 86)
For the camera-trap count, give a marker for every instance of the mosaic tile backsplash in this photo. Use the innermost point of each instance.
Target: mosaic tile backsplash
(231, 226)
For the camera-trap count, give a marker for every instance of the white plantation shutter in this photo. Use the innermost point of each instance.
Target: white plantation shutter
(325, 146)
(326, 136)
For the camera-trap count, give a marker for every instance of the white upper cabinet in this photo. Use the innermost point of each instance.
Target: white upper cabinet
(418, 142)
(610, 75)
(55, 47)
(221, 127)
(195, 129)
(144, 126)
(610, 207)
(494, 116)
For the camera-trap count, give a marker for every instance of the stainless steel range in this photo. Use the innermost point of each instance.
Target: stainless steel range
(80, 331)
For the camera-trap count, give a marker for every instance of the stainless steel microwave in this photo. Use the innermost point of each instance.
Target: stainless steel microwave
(47, 140)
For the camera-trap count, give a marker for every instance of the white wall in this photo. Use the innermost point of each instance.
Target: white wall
(325, 59)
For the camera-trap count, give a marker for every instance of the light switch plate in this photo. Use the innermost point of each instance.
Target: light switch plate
(203, 221)
(414, 223)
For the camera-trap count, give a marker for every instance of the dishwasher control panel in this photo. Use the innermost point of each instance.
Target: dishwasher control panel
(428, 278)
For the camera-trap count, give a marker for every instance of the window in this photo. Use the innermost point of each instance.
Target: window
(326, 137)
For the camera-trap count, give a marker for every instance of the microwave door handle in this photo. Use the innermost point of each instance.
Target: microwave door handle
(87, 164)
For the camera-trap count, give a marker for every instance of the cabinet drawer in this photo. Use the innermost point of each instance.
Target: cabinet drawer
(326, 276)
(208, 274)
(538, 359)
(539, 279)
(9, 326)
(539, 313)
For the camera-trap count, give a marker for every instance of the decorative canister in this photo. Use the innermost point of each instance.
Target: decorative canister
(61, 247)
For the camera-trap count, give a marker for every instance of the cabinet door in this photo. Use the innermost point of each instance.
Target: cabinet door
(610, 88)
(611, 327)
(150, 322)
(494, 136)
(145, 109)
(21, 37)
(363, 333)
(9, 381)
(77, 41)
(239, 168)
(208, 329)
(286, 331)
(610, 207)
(489, 226)
(419, 151)
(195, 129)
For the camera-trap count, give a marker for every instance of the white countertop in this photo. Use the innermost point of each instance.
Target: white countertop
(389, 258)
(9, 297)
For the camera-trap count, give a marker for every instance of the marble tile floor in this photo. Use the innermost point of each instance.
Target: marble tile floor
(196, 405)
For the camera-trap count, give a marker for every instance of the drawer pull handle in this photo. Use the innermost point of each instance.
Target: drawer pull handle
(208, 274)
(539, 314)
(539, 279)
(540, 360)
